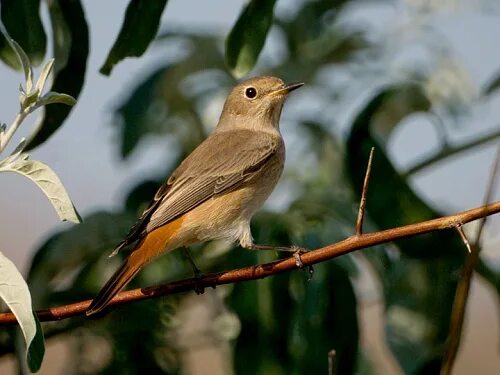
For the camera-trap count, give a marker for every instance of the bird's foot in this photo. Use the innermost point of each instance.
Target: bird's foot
(298, 261)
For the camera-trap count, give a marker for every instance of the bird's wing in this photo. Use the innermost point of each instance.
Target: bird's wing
(217, 165)
(220, 164)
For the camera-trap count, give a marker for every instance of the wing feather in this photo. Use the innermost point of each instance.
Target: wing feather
(219, 164)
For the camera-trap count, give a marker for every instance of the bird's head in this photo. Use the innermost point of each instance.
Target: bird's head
(256, 102)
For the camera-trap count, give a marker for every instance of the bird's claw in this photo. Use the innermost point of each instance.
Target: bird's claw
(198, 287)
(298, 252)
(298, 261)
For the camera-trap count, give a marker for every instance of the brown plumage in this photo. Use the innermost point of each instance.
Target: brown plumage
(215, 191)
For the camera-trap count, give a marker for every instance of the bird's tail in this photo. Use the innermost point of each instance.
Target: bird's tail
(148, 248)
(120, 278)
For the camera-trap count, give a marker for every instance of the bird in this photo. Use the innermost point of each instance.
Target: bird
(216, 189)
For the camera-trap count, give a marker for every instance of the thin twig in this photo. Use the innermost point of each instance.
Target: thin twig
(323, 254)
(332, 366)
(362, 203)
(463, 287)
(461, 232)
(448, 151)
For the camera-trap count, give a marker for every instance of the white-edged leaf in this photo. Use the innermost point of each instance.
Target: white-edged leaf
(40, 83)
(42, 175)
(14, 291)
(25, 62)
(55, 97)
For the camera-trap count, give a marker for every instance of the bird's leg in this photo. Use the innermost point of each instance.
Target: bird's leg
(197, 273)
(297, 251)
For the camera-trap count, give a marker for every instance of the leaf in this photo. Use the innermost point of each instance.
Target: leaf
(7, 53)
(47, 181)
(71, 48)
(22, 21)
(36, 350)
(141, 23)
(40, 83)
(246, 39)
(25, 64)
(14, 291)
(55, 97)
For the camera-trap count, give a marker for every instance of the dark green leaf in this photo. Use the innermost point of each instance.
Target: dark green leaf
(142, 20)
(36, 350)
(71, 48)
(246, 39)
(22, 21)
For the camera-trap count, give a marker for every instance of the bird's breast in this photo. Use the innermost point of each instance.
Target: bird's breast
(223, 215)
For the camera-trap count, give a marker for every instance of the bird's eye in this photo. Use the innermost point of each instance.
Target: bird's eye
(250, 93)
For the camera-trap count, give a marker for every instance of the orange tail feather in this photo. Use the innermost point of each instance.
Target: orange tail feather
(150, 247)
(116, 283)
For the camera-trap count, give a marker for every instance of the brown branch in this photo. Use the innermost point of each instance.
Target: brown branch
(362, 203)
(323, 254)
(463, 287)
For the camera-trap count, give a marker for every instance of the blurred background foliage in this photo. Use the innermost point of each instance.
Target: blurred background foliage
(285, 324)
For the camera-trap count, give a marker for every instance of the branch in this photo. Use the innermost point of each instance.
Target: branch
(362, 203)
(463, 286)
(448, 151)
(323, 254)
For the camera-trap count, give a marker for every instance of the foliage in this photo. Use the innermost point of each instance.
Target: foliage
(13, 289)
(288, 323)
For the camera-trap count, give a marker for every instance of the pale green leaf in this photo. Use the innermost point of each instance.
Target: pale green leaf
(55, 97)
(14, 291)
(25, 62)
(40, 83)
(47, 181)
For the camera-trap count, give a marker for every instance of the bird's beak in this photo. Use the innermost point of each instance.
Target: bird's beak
(288, 88)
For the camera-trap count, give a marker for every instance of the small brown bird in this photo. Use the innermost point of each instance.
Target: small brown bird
(216, 190)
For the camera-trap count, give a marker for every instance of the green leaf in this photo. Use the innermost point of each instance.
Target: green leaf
(14, 291)
(142, 20)
(246, 39)
(22, 21)
(7, 53)
(47, 181)
(55, 97)
(71, 48)
(40, 83)
(36, 349)
(25, 63)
